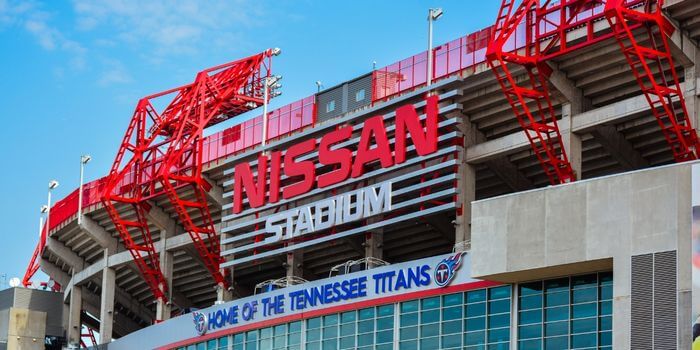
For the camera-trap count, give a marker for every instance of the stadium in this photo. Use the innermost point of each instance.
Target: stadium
(527, 186)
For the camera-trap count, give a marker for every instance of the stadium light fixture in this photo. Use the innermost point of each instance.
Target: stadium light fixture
(53, 184)
(319, 86)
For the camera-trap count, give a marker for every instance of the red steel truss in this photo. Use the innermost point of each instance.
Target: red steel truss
(161, 154)
(546, 26)
(648, 53)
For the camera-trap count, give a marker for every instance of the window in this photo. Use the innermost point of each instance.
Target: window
(360, 95)
(571, 312)
(330, 106)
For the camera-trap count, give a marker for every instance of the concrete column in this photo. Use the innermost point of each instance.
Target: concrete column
(294, 265)
(74, 324)
(374, 244)
(164, 308)
(107, 303)
(570, 140)
(692, 92)
(466, 183)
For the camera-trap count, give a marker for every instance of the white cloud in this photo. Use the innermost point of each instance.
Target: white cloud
(115, 73)
(165, 27)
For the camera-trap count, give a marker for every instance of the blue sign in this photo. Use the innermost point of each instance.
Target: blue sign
(446, 270)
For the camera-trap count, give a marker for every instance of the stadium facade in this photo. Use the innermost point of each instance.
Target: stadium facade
(387, 213)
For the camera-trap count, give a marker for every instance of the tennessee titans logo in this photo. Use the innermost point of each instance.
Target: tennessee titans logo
(201, 323)
(446, 270)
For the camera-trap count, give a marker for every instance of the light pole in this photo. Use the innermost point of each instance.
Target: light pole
(52, 185)
(84, 159)
(269, 83)
(319, 86)
(433, 15)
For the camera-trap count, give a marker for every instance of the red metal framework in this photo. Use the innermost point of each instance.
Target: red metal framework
(165, 158)
(546, 27)
(648, 53)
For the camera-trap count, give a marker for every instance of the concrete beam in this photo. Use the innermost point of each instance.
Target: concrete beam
(618, 147)
(123, 325)
(64, 253)
(107, 305)
(579, 103)
(99, 234)
(55, 273)
(509, 174)
(216, 193)
(75, 307)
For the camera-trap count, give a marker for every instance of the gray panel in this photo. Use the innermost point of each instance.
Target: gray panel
(324, 99)
(40, 300)
(642, 302)
(7, 298)
(665, 324)
(357, 86)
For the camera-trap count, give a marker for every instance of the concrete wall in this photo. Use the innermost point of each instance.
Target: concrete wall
(27, 329)
(587, 226)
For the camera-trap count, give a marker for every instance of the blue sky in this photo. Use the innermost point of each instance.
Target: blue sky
(72, 71)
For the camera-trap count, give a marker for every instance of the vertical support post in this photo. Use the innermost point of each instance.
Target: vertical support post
(107, 301)
(294, 265)
(74, 324)
(163, 307)
(570, 140)
(266, 93)
(374, 244)
(466, 181)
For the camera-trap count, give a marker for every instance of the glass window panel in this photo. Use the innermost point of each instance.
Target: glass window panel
(606, 292)
(452, 299)
(330, 320)
(223, 342)
(557, 285)
(606, 308)
(496, 335)
(347, 342)
(366, 313)
(430, 330)
(451, 341)
(385, 336)
(365, 339)
(584, 325)
(313, 346)
(279, 341)
(430, 343)
(265, 343)
(430, 303)
(251, 345)
(202, 346)
(529, 332)
(408, 333)
(499, 292)
(409, 306)
(365, 326)
(498, 321)
(606, 323)
(280, 329)
(584, 281)
(584, 295)
(530, 288)
(252, 335)
(385, 310)
(532, 344)
(408, 345)
(556, 328)
(475, 338)
(532, 316)
(606, 278)
(475, 324)
(583, 340)
(451, 327)
(348, 317)
(409, 319)
(556, 343)
(238, 338)
(451, 313)
(385, 347)
(605, 338)
(347, 329)
(531, 302)
(476, 296)
(430, 316)
(330, 332)
(295, 326)
(478, 309)
(556, 313)
(294, 338)
(313, 334)
(330, 344)
(584, 310)
(557, 299)
(211, 345)
(499, 306)
(500, 346)
(266, 332)
(385, 323)
(313, 323)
